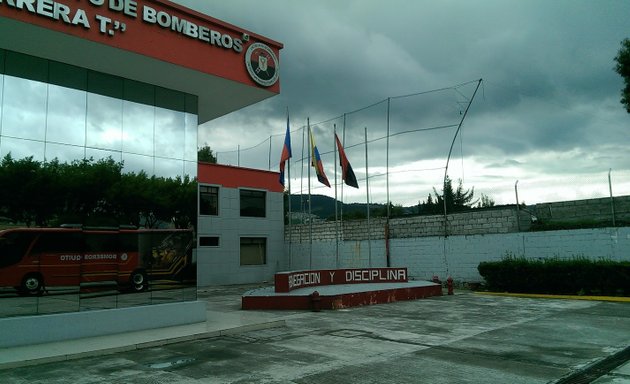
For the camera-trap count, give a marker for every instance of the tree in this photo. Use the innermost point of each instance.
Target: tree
(623, 69)
(486, 201)
(395, 210)
(205, 154)
(456, 200)
(92, 192)
(21, 189)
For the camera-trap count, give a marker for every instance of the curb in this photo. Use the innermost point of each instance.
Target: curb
(143, 345)
(614, 299)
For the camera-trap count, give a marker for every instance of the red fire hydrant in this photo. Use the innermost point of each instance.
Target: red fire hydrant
(449, 285)
(316, 301)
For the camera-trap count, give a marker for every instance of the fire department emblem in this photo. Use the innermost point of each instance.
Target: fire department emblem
(262, 64)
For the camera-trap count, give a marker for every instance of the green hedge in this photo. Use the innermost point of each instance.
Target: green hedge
(557, 276)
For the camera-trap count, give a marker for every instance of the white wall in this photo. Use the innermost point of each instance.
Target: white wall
(221, 265)
(459, 256)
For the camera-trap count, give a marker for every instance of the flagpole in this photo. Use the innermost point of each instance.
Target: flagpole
(367, 194)
(310, 218)
(302, 185)
(290, 216)
(336, 217)
(343, 138)
(269, 152)
(387, 256)
(387, 159)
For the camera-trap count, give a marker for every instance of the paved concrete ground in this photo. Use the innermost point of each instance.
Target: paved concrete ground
(466, 338)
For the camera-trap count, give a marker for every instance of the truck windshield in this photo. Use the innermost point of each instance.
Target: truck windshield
(13, 247)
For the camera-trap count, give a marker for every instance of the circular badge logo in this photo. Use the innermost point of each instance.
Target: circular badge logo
(123, 257)
(262, 64)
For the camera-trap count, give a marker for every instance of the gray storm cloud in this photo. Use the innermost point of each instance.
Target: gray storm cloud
(549, 104)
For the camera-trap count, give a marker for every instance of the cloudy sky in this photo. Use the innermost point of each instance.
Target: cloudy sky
(546, 114)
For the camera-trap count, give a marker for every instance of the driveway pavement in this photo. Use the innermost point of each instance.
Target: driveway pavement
(465, 338)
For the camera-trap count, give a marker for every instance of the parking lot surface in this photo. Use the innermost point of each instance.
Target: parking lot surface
(465, 338)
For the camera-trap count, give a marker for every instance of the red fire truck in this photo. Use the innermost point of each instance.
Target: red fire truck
(32, 259)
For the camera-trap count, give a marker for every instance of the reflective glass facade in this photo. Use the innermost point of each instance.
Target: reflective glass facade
(53, 110)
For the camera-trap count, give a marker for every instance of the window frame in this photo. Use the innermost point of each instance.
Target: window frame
(265, 246)
(218, 241)
(241, 191)
(218, 195)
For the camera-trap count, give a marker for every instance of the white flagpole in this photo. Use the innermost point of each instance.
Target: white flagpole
(289, 177)
(387, 186)
(310, 218)
(367, 194)
(290, 219)
(302, 185)
(343, 141)
(336, 216)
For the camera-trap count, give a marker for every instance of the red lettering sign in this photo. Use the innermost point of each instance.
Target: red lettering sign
(287, 281)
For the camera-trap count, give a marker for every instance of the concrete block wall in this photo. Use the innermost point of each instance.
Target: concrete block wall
(221, 265)
(501, 220)
(352, 254)
(584, 210)
(459, 255)
(418, 243)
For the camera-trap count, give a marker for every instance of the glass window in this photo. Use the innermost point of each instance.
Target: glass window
(98, 154)
(104, 122)
(63, 152)
(128, 242)
(170, 124)
(253, 250)
(253, 203)
(101, 242)
(190, 150)
(54, 110)
(208, 200)
(58, 242)
(190, 168)
(24, 109)
(208, 241)
(104, 111)
(21, 148)
(13, 247)
(66, 112)
(138, 130)
(137, 163)
(168, 167)
(170, 133)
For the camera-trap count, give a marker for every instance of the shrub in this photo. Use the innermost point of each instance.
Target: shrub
(557, 276)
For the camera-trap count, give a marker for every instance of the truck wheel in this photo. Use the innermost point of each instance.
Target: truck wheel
(138, 281)
(32, 284)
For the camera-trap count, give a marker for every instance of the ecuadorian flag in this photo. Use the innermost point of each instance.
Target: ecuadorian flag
(316, 162)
